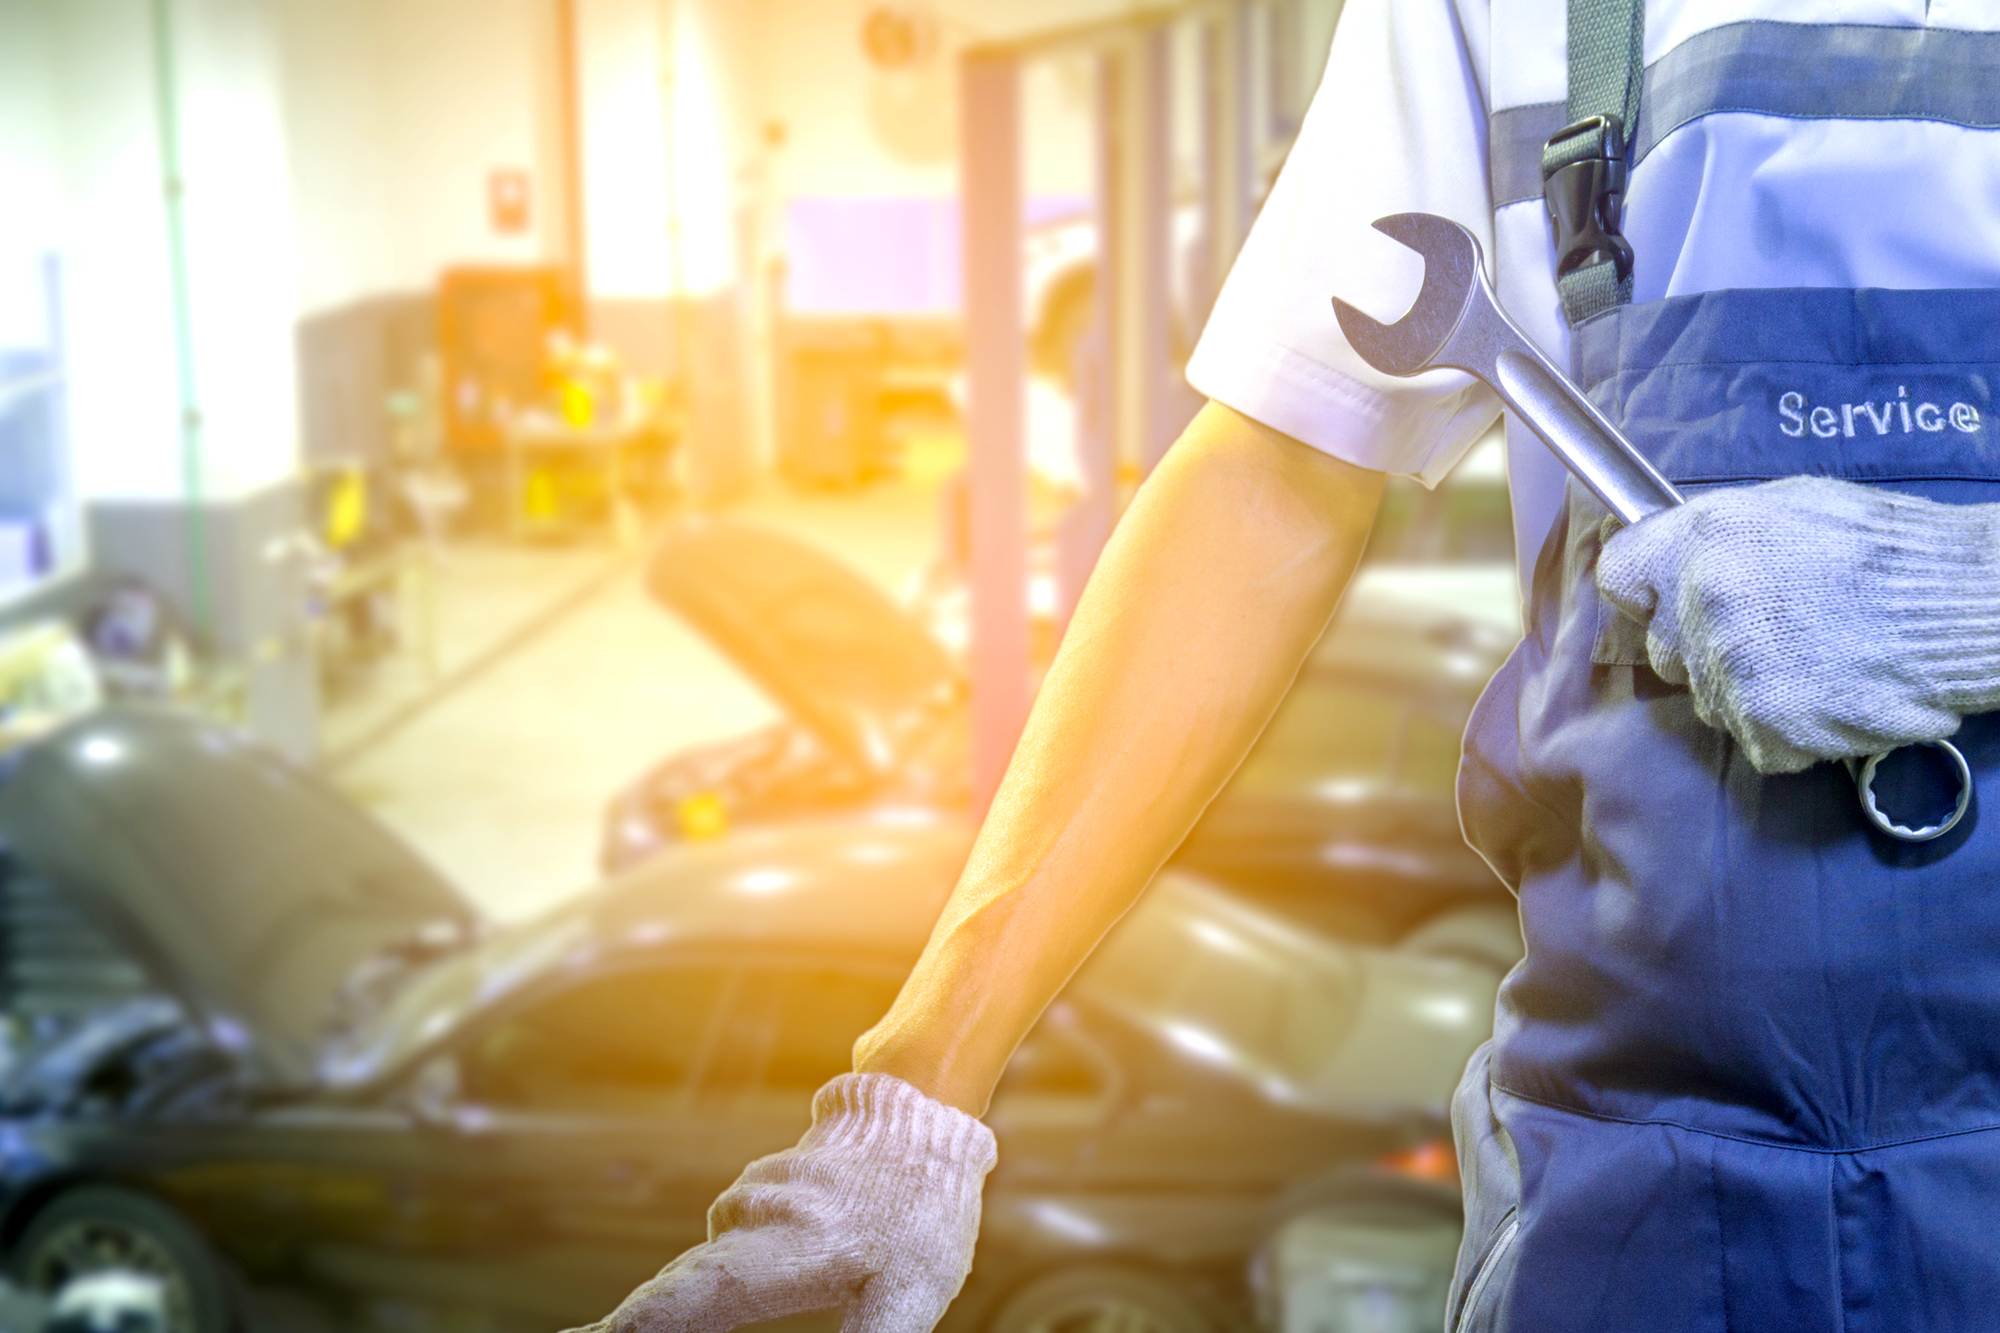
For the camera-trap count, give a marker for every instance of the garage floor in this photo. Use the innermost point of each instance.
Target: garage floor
(559, 683)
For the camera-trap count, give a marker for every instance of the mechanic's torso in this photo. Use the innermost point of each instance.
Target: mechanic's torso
(1748, 1074)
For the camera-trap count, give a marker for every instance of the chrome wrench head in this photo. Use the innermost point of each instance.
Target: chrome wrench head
(1451, 281)
(1456, 324)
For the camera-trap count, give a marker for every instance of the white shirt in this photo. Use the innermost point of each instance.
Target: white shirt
(1900, 190)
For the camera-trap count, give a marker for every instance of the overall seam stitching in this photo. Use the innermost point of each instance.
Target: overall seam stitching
(1721, 1246)
(1664, 1123)
(1839, 1253)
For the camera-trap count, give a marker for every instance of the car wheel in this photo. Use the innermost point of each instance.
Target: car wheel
(102, 1227)
(1100, 1300)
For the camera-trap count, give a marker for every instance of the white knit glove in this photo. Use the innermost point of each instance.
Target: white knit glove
(1817, 619)
(875, 1213)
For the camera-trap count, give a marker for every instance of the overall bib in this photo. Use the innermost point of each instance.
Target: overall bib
(1748, 1075)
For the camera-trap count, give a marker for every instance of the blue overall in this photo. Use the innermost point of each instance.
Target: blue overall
(1748, 1075)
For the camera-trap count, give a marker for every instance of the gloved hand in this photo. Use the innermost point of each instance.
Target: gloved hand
(874, 1212)
(1817, 619)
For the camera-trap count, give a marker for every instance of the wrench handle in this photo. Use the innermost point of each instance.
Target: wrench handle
(1589, 445)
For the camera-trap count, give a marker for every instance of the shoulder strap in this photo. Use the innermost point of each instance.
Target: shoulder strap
(1584, 165)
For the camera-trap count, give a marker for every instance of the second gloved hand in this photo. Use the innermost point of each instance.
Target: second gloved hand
(874, 1213)
(1817, 619)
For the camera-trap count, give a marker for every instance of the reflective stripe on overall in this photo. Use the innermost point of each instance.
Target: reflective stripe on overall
(1748, 1075)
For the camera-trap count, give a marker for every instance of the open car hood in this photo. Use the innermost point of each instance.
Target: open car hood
(822, 641)
(248, 888)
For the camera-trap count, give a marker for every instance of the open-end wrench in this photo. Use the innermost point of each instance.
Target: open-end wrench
(1457, 324)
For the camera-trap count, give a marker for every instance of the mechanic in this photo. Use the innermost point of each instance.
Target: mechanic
(1748, 1074)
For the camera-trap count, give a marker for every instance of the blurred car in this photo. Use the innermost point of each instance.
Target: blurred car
(258, 1044)
(1343, 816)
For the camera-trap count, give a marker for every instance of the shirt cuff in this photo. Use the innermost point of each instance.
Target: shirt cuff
(1338, 415)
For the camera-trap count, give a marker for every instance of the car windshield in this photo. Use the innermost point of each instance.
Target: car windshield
(432, 1001)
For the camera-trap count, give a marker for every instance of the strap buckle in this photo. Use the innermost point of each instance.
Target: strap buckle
(1583, 186)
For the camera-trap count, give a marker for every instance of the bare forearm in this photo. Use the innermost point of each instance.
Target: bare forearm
(1217, 582)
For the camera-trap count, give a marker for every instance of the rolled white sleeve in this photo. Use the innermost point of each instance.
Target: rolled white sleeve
(1398, 125)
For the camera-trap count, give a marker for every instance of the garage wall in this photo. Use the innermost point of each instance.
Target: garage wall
(182, 420)
(338, 154)
(396, 111)
(241, 263)
(30, 173)
(337, 121)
